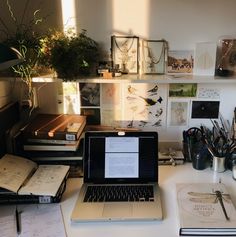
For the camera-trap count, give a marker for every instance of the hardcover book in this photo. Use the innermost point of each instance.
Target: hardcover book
(205, 209)
(51, 147)
(23, 181)
(56, 127)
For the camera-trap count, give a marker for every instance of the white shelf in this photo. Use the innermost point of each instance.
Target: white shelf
(46, 78)
(162, 79)
(39, 79)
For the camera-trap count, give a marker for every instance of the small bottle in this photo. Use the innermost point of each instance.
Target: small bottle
(226, 56)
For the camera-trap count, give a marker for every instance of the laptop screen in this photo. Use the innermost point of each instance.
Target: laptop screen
(121, 157)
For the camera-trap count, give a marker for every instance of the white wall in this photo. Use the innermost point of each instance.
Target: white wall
(181, 22)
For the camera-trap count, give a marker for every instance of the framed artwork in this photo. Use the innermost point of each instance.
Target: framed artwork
(180, 62)
(125, 53)
(153, 56)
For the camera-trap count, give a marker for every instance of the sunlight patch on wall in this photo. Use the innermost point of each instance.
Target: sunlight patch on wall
(68, 93)
(69, 14)
(68, 98)
(125, 19)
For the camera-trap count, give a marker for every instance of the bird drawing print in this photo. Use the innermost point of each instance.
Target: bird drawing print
(150, 101)
(143, 123)
(131, 90)
(160, 99)
(157, 123)
(149, 104)
(154, 89)
(159, 112)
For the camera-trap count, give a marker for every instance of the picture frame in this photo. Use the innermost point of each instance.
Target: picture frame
(125, 53)
(153, 56)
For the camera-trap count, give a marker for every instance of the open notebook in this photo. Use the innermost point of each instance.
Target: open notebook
(120, 177)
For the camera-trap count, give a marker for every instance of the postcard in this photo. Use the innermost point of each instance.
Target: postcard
(180, 62)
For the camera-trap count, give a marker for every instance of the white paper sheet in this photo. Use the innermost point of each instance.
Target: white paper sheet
(42, 221)
(7, 226)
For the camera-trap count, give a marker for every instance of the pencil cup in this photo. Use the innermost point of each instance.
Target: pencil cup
(218, 164)
(199, 156)
(187, 152)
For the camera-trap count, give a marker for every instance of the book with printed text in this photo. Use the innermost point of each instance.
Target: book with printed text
(205, 209)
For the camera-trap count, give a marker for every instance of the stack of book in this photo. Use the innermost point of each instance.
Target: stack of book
(55, 139)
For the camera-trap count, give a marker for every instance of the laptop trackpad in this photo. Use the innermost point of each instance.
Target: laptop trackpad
(117, 210)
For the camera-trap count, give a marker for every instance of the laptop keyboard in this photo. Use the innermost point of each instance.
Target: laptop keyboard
(122, 193)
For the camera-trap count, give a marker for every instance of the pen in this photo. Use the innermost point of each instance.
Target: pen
(18, 227)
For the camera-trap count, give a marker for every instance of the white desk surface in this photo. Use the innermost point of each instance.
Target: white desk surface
(168, 227)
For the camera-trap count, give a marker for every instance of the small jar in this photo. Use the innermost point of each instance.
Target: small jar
(226, 56)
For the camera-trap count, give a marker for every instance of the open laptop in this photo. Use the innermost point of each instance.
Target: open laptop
(120, 178)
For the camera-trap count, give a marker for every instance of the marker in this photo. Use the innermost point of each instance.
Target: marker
(18, 227)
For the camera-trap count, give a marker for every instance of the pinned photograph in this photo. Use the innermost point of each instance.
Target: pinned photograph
(205, 109)
(183, 90)
(111, 95)
(178, 113)
(89, 94)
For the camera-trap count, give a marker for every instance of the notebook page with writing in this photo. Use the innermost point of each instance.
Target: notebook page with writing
(14, 170)
(46, 180)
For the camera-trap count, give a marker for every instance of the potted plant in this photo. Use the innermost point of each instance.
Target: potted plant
(69, 54)
(23, 36)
